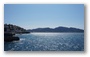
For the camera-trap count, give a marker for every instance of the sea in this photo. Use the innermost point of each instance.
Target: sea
(47, 42)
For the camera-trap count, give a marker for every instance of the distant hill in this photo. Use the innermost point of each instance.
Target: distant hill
(57, 29)
(17, 29)
(13, 29)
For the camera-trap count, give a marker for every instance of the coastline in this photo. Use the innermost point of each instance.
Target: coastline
(9, 37)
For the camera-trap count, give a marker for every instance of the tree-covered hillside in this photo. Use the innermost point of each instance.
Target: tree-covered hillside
(13, 28)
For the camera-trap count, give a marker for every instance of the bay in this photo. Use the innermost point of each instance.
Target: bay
(47, 42)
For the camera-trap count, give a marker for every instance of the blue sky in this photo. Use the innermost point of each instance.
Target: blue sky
(31, 16)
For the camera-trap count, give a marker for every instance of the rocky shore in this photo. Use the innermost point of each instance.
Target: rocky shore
(9, 37)
(10, 31)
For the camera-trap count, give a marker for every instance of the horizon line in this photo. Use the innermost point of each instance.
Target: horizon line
(46, 27)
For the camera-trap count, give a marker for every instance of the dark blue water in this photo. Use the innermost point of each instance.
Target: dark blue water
(47, 42)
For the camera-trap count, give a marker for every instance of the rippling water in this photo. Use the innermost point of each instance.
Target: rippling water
(47, 42)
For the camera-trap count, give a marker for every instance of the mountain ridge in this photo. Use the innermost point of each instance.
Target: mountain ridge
(57, 29)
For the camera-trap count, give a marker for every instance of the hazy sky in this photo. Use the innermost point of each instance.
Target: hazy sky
(31, 16)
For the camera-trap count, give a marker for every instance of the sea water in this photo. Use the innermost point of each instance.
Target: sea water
(47, 42)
